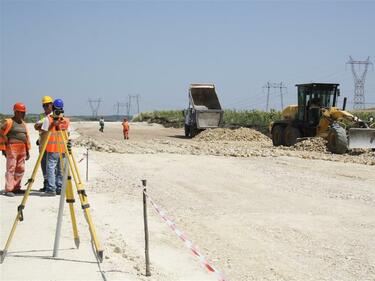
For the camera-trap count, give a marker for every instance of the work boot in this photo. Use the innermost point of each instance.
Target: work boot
(48, 194)
(9, 194)
(58, 192)
(19, 191)
(42, 189)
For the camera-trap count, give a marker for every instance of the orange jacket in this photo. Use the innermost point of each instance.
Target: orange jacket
(125, 126)
(55, 141)
(4, 132)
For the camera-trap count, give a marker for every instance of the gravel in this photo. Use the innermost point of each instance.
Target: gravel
(241, 142)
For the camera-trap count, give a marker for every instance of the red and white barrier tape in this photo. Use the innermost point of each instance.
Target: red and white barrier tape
(188, 243)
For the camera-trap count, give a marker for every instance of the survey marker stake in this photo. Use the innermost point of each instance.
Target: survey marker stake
(148, 273)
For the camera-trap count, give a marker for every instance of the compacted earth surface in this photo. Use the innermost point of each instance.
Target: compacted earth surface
(254, 211)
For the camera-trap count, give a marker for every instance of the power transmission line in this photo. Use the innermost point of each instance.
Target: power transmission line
(359, 81)
(274, 86)
(136, 98)
(119, 105)
(94, 105)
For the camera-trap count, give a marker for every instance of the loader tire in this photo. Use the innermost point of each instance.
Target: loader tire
(278, 135)
(291, 135)
(337, 140)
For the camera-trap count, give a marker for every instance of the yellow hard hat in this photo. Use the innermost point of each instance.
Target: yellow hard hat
(47, 99)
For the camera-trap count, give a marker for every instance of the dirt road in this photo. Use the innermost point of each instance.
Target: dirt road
(257, 213)
(256, 218)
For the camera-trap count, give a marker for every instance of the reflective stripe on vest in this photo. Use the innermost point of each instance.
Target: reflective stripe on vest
(55, 142)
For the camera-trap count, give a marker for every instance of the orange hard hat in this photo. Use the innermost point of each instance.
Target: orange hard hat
(19, 106)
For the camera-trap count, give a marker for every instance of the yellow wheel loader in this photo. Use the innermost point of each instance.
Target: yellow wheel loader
(316, 115)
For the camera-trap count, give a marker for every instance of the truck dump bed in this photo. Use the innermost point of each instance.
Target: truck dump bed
(204, 100)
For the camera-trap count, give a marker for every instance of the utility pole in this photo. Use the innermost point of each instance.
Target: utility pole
(137, 104)
(119, 105)
(127, 109)
(280, 86)
(131, 97)
(94, 105)
(359, 81)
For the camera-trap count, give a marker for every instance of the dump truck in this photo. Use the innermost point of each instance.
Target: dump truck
(204, 109)
(317, 115)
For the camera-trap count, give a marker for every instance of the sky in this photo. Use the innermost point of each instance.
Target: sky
(108, 50)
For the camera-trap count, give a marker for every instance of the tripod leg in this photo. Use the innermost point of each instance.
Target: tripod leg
(19, 216)
(68, 188)
(61, 209)
(70, 200)
(83, 198)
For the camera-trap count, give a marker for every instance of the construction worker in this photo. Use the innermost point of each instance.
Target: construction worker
(15, 146)
(101, 124)
(47, 103)
(125, 129)
(54, 123)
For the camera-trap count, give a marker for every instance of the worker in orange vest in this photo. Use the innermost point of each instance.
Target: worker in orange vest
(125, 129)
(55, 146)
(15, 146)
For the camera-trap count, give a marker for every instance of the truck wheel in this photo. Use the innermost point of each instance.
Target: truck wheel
(291, 135)
(278, 135)
(193, 131)
(187, 130)
(337, 140)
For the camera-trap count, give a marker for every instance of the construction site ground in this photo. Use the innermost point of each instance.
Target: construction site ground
(256, 212)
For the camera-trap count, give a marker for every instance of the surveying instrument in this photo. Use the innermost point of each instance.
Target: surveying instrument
(70, 170)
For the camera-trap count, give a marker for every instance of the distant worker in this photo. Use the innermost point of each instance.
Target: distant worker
(47, 103)
(125, 129)
(101, 124)
(54, 123)
(15, 146)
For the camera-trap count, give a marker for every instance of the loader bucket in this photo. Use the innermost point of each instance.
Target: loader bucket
(361, 138)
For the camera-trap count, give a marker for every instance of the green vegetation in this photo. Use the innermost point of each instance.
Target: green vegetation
(364, 115)
(30, 118)
(259, 120)
(256, 119)
(169, 118)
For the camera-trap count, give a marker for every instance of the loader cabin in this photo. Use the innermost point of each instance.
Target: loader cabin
(302, 120)
(312, 97)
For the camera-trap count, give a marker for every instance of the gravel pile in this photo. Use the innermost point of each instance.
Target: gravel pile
(225, 134)
(220, 142)
(93, 144)
(312, 144)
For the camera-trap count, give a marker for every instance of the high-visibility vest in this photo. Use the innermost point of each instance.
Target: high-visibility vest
(4, 133)
(125, 126)
(55, 141)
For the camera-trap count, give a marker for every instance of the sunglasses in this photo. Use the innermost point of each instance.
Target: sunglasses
(46, 104)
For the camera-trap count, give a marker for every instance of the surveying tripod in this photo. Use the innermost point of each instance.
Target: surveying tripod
(62, 140)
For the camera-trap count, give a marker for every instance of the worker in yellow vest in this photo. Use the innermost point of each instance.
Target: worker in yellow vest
(55, 146)
(47, 103)
(15, 146)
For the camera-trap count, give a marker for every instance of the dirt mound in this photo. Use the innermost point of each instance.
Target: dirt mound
(93, 144)
(225, 134)
(312, 144)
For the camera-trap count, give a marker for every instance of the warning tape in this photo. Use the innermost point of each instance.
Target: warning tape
(188, 243)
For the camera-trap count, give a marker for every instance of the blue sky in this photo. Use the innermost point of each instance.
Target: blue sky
(76, 50)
